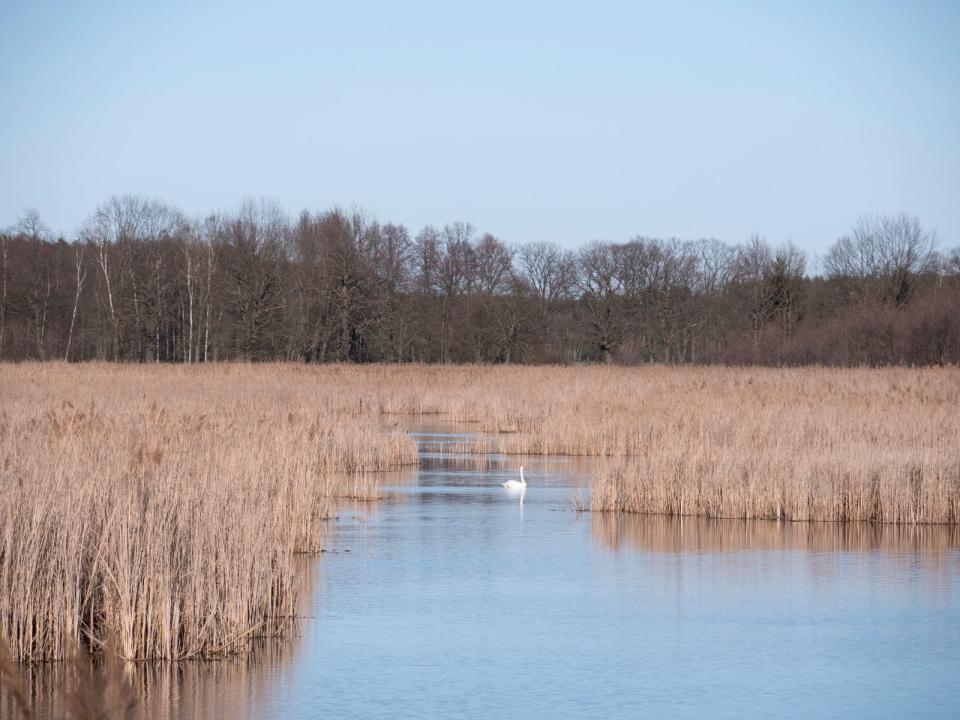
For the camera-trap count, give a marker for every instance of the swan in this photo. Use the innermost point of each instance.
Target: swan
(520, 484)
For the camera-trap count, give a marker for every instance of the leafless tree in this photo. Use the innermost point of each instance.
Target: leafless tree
(456, 274)
(494, 264)
(952, 265)
(4, 261)
(425, 261)
(191, 260)
(600, 284)
(32, 229)
(210, 234)
(390, 252)
(752, 263)
(882, 257)
(31, 226)
(253, 245)
(140, 284)
(118, 229)
(551, 273)
(81, 276)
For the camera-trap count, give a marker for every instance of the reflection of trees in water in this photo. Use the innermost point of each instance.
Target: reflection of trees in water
(657, 533)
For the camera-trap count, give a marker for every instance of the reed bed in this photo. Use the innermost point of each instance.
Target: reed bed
(880, 445)
(162, 507)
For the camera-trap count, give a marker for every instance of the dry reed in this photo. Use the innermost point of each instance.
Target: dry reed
(879, 445)
(163, 506)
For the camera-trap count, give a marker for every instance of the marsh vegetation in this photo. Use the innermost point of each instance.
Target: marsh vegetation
(163, 506)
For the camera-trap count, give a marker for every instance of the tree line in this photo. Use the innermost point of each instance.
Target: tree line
(141, 282)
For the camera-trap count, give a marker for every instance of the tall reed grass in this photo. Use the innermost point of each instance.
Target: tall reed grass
(879, 445)
(163, 506)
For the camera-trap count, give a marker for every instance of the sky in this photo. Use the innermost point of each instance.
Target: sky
(555, 121)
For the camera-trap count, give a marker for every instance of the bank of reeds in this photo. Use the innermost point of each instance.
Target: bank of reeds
(163, 506)
(879, 445)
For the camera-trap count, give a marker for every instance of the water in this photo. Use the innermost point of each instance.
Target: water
(450, 598)
(456, 600)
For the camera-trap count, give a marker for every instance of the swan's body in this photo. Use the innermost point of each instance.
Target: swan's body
(520, 484)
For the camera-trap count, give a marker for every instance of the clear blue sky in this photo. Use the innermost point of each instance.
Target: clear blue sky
(533, 120)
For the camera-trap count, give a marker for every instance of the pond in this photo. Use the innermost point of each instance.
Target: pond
(452, 598)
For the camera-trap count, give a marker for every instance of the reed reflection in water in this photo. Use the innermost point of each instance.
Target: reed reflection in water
(657, 533)
(235, 688)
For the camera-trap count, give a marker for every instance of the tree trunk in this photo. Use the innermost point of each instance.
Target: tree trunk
(73, 321)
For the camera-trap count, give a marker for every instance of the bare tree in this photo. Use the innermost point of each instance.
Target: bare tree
(4, 260)
(190, 249)
(881, 257)
(494, 264)
(141, 285)
(952, 264)
(784, 281)
(390, 252)
(118, 230)
(40, 287)
(551, 273)
(752, 263)
(457, 274)
(81, 276)
(30, 226)
(210, 234)
(254, 241)
(97, 232)
(601, 288)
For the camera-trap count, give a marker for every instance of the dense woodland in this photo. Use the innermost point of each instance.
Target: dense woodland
(143, 283)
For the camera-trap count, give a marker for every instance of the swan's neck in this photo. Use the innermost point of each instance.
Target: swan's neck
(522, 481)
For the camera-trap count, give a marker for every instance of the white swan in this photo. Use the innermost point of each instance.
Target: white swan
(520, 484)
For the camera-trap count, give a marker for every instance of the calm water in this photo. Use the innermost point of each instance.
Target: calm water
(450, 598)
(457, 600)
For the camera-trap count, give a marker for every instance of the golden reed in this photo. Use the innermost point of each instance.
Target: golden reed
(881, 445)
(162, 506)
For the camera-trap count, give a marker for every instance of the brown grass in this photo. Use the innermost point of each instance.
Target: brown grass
(789, 444)
(163, 506)
(879, 445)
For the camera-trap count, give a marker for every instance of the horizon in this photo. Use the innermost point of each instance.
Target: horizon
(564, 124)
